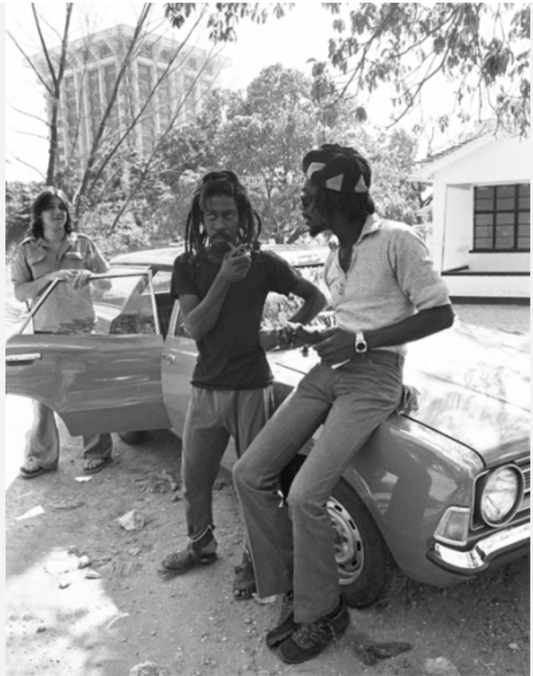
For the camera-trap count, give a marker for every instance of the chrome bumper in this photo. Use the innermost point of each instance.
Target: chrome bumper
(500, 545)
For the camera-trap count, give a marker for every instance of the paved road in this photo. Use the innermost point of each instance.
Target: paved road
(513, 318)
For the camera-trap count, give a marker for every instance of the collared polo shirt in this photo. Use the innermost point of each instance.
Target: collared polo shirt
(66, 309)
(391, 277)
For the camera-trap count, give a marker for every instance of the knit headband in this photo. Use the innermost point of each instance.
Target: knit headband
(338, 168)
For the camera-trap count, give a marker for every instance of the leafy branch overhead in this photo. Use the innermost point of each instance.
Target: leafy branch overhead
(222, 22)
(482, 49)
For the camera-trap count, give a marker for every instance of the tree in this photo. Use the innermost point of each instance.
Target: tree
(482, 48)
(262, 134)
(52, 81)
(222, 22)
(108, 168)
(19, 198)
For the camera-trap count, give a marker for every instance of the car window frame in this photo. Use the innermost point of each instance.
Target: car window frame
(115, 272)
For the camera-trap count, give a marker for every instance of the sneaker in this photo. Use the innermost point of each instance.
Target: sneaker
(200, 553)
(309, 640)
(286, 624)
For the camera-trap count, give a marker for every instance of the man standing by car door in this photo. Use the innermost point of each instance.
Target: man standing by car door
(222, 282)
(386, 293)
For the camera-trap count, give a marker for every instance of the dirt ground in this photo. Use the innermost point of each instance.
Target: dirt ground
(83, 596)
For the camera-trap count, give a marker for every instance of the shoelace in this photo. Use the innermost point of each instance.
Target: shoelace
(315, 632)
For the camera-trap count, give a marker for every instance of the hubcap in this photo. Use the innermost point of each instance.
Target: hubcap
(349, 551)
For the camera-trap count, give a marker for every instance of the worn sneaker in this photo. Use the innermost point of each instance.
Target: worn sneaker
(200, 553)
(286, 624)
(309, 640)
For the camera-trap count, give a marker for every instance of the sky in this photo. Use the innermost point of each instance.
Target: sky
(302, 34)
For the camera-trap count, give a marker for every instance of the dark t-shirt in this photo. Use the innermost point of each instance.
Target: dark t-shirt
(230, 355)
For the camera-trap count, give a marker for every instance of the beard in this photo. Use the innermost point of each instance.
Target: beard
(317, 228)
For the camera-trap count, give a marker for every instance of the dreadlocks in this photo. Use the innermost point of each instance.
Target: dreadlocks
(220, 183)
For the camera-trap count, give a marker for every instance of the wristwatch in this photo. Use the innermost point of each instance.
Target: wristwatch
(360, 342)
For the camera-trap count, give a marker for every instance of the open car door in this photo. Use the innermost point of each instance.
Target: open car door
(177, 364)
(105, 379)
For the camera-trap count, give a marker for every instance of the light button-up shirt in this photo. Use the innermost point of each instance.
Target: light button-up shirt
(391, 277)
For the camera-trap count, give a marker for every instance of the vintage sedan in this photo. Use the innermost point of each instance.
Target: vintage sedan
(441, 489)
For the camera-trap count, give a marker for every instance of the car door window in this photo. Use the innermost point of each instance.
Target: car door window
(113, 304)
(163, 299)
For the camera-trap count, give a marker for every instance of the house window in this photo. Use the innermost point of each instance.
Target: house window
(501, 218)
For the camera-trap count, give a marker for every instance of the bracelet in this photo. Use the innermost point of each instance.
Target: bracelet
(287, 337)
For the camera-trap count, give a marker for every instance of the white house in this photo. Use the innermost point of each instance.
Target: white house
(481, 216)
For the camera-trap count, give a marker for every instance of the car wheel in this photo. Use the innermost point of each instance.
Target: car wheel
(362, 555)
(135, 438)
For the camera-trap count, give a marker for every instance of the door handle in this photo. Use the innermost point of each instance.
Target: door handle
(169, 357)
(15, 359)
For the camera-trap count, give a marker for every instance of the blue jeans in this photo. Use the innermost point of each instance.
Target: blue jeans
(292, 543)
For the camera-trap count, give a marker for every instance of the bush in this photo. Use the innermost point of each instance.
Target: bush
(279, 308)
(128, 236)
(19, 198)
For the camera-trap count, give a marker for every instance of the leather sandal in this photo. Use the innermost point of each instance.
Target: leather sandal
(37, 470)
(101, 463)
(182, 561)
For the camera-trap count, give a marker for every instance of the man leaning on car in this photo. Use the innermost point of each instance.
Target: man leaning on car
(386, 293)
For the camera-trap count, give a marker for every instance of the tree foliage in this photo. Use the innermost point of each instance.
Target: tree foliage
(223, 17)
(262, 134)
(482, 48)
(107, 167)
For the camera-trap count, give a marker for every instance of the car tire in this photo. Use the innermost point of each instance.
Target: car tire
(363, 558)
(135, 438)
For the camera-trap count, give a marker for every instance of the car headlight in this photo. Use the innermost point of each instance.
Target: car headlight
(499, 495)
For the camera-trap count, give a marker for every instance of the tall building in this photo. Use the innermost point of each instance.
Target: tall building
(162, 83)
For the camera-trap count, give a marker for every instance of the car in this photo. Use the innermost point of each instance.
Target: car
(440, 490)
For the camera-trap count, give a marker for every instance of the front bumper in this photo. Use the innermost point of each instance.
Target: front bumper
(496, 549)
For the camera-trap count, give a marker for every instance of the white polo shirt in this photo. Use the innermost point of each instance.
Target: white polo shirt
(391, 277)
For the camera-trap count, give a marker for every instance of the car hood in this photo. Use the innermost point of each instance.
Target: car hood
(472, 386)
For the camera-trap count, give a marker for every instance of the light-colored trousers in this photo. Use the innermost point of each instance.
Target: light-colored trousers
(292, 543)
(42, 443)
(213, 416)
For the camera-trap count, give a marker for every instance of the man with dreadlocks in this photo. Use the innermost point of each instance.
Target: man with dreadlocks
(386, 293)
(222, 281)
